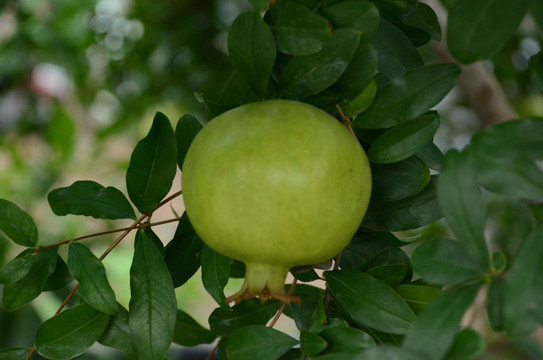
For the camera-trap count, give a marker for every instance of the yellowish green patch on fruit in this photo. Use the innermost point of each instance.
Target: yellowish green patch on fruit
(275, 184)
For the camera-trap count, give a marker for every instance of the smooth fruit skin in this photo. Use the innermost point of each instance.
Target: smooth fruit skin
(276, 184)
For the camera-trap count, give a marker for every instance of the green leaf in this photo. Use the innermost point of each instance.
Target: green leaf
(418, 296)
(153, 307)
(17, 224)
(423, 22)
(215, 274)
(469, 345)
(311, 310)
(17, 268)
(443, 261)
(251, 47)
(89, 271)
(392, 8)
(358, 75)
(369, 301)
(185, 131)
(89, 198)
(182, 254)
(117, 333)
(311, 343)
(259, 5)
(71, 332)
(237, 91)
(14, 353)
(307, 75)
(431, 155)
(409, 96)
(399, 180)
(152, 165)
(390, 352)
(361, 102)
(189, 333)
(251, 312)
(396, 54)
(523, 294)
(405, 214)
(478, 30)
(298, 30)
(359, 15)
(258, 342)
(495, 303)
(59, 278)
(462, 205)
(433, 333)
(21, 292)
(404, 140)
(342, 340)
(536, 69)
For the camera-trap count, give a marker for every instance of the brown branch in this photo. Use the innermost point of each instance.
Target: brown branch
(283, 305)
(345, 120)
(481, 89)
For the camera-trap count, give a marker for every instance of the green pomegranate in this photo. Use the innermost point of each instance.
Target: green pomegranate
(275, 184)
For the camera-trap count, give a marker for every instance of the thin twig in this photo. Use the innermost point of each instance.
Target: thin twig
(213, 351)
(345, 120)
(284, 305)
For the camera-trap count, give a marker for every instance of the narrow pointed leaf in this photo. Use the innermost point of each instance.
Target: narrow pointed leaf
(215, 274)
(182, 253)
(189, 333)
(71, 332)
(153, 307)
(307, 75)
(89, 271)
(434, 331)
(17, 268)
(404, 140)
(185, 131)
(152, 165)
(462, 204)
(117, 333)
(369, 301)
(477, 30)
(297, 30)
(17, 224)
(523, 293)
(251, 47)
(258, 342)
(21, 292)
(90, 199)
(409, 96)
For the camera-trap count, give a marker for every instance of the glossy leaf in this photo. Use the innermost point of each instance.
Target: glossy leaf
(469, 345)
(189, 333)
(361, 102)
(258, 342)
(409, 213)
(409, 96)
(153, 307)
(404, 140)
(423, 20)
(390, 352)
(358, 75)
(307, 75)
(360, 15)
(17, 268)
(182, 253)
(434, 331)
(311, 343)
(71, 332)
(431, 155)
(462, 205)
(396, 54)
(477, 30)
(443, 261)
(17, 225)
(251, 312)
(21, 292)
(117, 333)
(369, 301)
(215, 274)
(152, 165)
(89, 271)
(59, 278)
(342, 340)
(297, 30)
(418, 296)
(89, 198)
(185, 131)
(251, 47)
(523, 294)
(398, 180)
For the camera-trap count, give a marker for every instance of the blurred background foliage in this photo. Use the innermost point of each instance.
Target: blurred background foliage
(81, 80)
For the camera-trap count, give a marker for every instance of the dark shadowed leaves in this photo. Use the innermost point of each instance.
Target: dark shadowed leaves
(185, 131)
(469, 345)
(117, 333)
(152, 165)
(360, 15)
(59, 278)
(536, 69)
(342, 340)
(17, 224)
(189, 333)
(258, 342)
(215, 273)
(90, 199)
(71, 332)
(418, 296)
